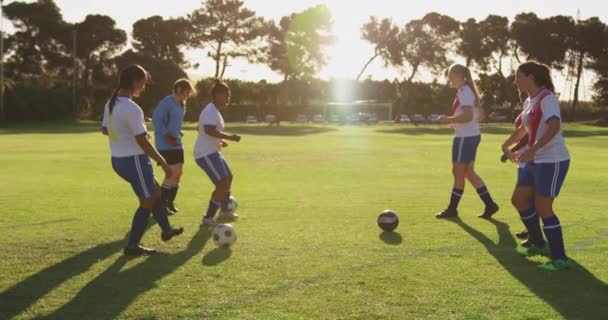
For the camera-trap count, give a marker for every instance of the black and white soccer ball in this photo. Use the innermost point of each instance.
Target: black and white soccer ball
(388, 220)
(224, 235)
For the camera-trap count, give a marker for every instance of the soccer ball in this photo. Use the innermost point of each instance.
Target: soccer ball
(388, 220)
(224, 235)
(232, 205)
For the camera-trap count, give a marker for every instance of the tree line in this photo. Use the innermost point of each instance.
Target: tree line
(49, 61)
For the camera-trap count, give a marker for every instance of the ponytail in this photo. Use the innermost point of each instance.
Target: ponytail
(112, 101)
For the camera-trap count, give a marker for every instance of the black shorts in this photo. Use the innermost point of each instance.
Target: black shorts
(173, 156)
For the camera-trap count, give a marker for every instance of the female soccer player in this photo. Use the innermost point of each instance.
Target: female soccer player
(123, 122)
(167, 118)
(547, 161)
(207, 153)
(464, 119)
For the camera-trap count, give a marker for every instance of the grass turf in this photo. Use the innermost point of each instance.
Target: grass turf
(308, 245)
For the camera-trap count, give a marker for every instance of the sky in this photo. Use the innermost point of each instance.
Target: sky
(349, 53)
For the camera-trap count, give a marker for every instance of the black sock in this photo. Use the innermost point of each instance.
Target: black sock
(174, 193)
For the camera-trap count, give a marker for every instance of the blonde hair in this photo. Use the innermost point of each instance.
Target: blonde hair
(184, 84)
(468, 79)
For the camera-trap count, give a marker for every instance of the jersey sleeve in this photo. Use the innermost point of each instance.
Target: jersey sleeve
(466, 98)
(135, 121)
(210, 117)
(550, 108)
(106, 114)
(159, 118)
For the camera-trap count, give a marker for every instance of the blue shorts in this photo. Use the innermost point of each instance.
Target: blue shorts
(215, 166)
(137, 170)
(464, 149)
(546, 178)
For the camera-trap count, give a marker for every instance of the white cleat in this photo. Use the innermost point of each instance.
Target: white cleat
(208, 222)
(228, 216)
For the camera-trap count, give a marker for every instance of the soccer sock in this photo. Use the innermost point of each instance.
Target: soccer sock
(226, 202)
(174, 192)
(213, 206)
(455, 198)
(138, 226)
(532, 223)
(553, 232)
(485, 196)
(166, 191)
(161, 216)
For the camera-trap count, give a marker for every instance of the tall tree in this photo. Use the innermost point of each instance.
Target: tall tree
(382, 34)
(230, 29)
(423, 43)
(496, 35)
(590, 41)
(39, 43)
(545, 40)
(295, 47)
(98, 40)
(484, 43)
(162, 39)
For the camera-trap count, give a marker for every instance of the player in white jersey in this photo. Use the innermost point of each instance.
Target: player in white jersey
(207, 152)
(123, 122)
(464, 119)
(544, 163)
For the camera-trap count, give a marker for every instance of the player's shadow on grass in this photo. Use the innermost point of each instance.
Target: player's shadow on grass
(22, 295)
(217, 256)
(574, 293)
(112, 291)
(393, 238)
(279, 131)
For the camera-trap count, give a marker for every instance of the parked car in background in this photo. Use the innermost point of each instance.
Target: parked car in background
(418, 118)
(270, 118)
(404, 119)
(301, 119)
(334, 118)
(251, 119)
(498, 117)
(318, 118)
(434, 118)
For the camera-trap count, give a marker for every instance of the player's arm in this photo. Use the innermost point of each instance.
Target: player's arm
(516, 136)
(212, 131)
(148, 148)
(553, 127)
(466, 116)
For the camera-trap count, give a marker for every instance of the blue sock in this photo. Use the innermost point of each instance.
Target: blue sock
(213, 206)
(455, 198)
(161, 216)
(485, 196)
(226, 202)
(532, 223)
(553, 232)
(138, 226)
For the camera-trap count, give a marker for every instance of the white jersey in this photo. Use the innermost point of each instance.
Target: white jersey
(466, 99)
(555, 150)
(206, 144)
(124, 123)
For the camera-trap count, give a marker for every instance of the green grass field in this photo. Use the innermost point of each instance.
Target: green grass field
(308, 245)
